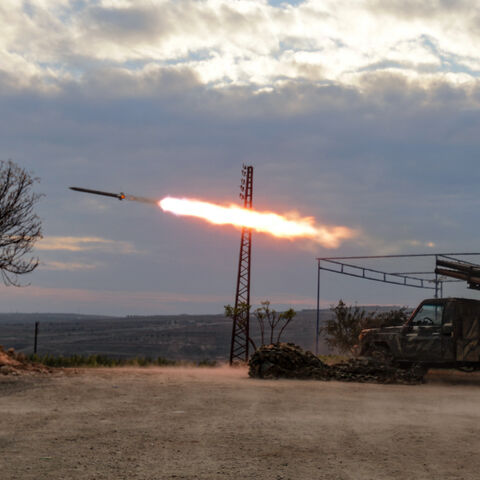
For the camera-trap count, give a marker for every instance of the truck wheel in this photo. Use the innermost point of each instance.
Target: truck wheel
(467, 368)
(380, 354)
(419, 370)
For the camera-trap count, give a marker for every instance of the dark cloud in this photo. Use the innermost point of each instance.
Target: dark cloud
(115, 82)
(395, 159)
(125, 25)
(116, 99)
(150, 23)
(125, 20)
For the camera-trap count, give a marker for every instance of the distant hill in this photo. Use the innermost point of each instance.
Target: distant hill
(176, 337)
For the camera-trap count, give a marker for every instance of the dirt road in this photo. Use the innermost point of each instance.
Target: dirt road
(216, 423)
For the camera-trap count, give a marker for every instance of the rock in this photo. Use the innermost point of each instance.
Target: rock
(12, 363)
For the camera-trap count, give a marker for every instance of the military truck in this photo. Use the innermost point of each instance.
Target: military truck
(441, 333)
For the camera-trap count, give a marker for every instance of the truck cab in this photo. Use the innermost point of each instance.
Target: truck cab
(442, 333)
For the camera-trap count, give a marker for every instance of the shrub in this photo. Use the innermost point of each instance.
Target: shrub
(96, 360)
(342, 330)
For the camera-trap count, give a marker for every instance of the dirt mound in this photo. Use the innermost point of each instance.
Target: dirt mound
(12, 363)
(286, 360)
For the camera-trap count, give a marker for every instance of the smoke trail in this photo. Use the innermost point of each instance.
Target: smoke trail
(134, 198)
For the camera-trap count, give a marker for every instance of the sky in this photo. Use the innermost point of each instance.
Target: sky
(362, 114)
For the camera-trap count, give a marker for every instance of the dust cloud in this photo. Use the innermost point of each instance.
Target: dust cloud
(217, 423)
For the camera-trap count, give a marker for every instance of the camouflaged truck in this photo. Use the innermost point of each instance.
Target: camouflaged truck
(441, 333)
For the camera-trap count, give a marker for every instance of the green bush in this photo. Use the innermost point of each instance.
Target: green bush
(342, 330)
(162, 361)
(97, 360)
(207, 363)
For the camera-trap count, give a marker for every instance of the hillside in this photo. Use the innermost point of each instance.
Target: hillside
(186, 337)
(176, 337)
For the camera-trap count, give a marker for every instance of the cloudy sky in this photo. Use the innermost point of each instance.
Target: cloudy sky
(361, 113)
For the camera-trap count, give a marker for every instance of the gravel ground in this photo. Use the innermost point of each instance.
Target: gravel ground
(216, 423)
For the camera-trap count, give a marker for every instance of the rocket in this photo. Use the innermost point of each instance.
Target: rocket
(120, 196)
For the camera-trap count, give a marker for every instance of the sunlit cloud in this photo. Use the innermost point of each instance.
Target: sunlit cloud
(124, 302)
(418, 243)
(248, 42)
(81, 244)
(67, 266)
(287, 300)
(119, 302)
(382, 246)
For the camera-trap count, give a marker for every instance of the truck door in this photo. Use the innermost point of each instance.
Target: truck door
(422, 340)
(468, 333)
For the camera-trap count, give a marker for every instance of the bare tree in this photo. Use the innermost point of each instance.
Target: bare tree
(269, 320)
(272, 319)
(20, 227)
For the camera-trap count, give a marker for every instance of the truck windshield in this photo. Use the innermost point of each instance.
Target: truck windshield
(428, 315)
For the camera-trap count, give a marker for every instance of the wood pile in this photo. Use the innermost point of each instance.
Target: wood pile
(286, 360)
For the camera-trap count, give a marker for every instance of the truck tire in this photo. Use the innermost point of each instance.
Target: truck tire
(380, 353)
(419, 370)
(467, 368)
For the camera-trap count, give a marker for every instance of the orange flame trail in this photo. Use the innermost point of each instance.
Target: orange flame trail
(265, 222)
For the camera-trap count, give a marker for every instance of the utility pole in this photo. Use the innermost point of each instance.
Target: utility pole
(36, 337)
(241, 318)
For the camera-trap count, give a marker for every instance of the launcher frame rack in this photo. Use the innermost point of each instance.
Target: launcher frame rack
(458, 269)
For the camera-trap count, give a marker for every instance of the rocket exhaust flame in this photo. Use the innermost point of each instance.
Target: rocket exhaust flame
(265, 222)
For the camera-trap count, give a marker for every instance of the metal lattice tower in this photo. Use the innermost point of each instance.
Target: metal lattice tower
(241, 319)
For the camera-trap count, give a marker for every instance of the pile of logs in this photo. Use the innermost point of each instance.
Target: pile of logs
(286, 360)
